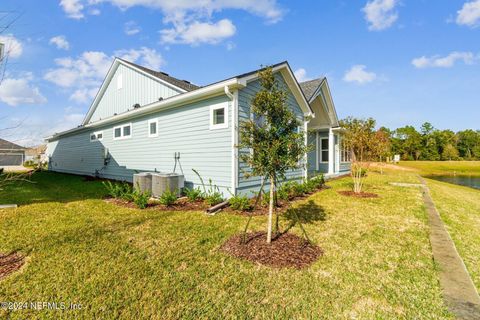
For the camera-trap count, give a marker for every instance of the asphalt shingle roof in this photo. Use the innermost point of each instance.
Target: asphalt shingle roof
(309, 87)
(183, 84)
(7, 145)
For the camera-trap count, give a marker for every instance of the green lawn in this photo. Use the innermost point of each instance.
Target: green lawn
(459, 208)
(133, 264)
(444, 167)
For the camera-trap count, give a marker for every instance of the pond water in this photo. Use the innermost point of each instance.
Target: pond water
(469, 181)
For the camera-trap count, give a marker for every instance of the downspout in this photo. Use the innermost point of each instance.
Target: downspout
(306, 145)
(234, 99)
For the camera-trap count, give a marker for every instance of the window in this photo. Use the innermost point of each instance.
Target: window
(219, 116)
(122, 132)
(324, 150)
(345, 155)
(119, 81)
(96, 136)
(153, 128)
(117, 133)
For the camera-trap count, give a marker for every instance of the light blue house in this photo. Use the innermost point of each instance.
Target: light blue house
(143, 120)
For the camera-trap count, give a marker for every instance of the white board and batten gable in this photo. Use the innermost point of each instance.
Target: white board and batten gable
(128, 85)
(318, 94)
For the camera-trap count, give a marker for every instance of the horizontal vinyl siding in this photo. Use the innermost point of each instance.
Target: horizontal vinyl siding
(312, 155)
(245, 97)
(136, 88)
(183, 129)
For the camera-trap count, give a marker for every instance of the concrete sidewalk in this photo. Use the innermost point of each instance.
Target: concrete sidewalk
(458, 289)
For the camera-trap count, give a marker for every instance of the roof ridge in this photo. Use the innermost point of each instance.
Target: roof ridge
(9, 145)
(182, 84)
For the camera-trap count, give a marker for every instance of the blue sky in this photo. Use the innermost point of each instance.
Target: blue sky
(399, 61)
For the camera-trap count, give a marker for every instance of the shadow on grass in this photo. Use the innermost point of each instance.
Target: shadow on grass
(305, 213)
(46, 186)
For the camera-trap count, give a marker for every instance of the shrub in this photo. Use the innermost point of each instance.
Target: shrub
(193, 194)
(309, 186)
(283, 193)
(168, 197)
(127, 192)
(319, 180)
(30, 164)
(211, 195)
(213, 198)
(241, 203)
(297, 189)
(119, 190)
(141, 198)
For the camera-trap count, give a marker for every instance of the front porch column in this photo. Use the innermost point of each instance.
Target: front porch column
(331, 151)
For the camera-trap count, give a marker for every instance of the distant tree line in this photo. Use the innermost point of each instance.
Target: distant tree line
(427, 143)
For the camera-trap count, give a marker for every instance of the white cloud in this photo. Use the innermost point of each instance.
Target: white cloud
(469, 15)
(84, 74)
(444, 62)
(147, 57)
(73, 8)
(60, 42)
(83, 95)
(267, 9)
(191, 20)
(16, 91)
(301, 75)
(86, 70)
(199, 32)
(359, 74)
(13, 46)
(131, 28)
(380, 14)
(32, 129)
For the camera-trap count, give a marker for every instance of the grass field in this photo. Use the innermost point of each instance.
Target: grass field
(459, 208)
(444, 167)
(132, 264)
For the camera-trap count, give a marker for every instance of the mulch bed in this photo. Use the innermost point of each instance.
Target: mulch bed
(10, 263)
(181, 204)
(263, 210)
(285, 251)
(358, 195)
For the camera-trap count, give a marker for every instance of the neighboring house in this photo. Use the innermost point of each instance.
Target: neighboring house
(36, 154)
(11, 154)
(143, 120)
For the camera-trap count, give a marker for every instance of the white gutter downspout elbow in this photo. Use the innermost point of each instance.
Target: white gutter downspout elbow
(228, 93)
(234, 98)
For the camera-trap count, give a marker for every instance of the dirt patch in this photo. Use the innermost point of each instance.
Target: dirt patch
(377, 165)
(358, 195)
(10, 263)
(181, 204)
(285, 251)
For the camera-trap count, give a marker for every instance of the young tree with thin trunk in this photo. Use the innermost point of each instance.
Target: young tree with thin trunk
(275, 143)
(359, 137)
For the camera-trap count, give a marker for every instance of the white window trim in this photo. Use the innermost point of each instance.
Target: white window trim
(156, 131)
(221, 125)
(122, 137)
(96, 133)
(321, 150)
